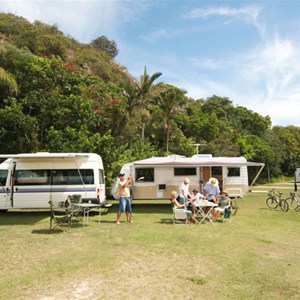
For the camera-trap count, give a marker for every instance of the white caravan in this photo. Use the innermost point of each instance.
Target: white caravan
(30, 180)
(156, 177)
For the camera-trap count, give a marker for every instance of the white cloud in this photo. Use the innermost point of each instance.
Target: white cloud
(205, 63)
(248, 14)
(245, 13)
(155, 35)
(82, 19)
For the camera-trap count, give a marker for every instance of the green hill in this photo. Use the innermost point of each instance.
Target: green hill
(45, 41)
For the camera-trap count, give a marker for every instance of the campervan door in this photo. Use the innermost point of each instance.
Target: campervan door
(34, 179)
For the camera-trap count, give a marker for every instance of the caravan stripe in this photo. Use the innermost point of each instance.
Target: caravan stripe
(55, 190)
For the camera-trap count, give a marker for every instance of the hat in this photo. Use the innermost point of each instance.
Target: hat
(121, 174)
(213, 181)
(225, 193)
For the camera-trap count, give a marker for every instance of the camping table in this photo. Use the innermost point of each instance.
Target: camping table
(86, 207)
(204, 203)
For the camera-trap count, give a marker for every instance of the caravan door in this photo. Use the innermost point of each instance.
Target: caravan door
(5, 202)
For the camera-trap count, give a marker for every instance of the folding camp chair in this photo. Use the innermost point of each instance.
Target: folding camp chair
(226, 216)
(179, 216)
(71, 202)
(59, 218)
(230, 212)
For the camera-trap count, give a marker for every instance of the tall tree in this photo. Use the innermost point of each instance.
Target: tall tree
(169, 99)
(145, 88)
(104, 44)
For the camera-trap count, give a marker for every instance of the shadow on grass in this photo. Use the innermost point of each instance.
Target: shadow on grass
(278, 209)
(48, 231)
(150, 208)
(30, 217)
(166, 221)
(21, 217)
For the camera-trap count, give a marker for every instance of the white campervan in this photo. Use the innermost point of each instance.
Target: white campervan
(30, 180)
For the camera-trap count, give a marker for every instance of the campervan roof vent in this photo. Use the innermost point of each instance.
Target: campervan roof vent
(202, 156)
(174, 156)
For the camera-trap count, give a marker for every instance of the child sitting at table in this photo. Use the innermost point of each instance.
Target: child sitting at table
(196, 196)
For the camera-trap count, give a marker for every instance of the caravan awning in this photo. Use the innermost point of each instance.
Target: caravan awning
(197, 161)
(44, 155)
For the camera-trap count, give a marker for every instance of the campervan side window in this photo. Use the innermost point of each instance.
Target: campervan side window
(101, 177)
(32, 177)
(234, 172)
(184, 171)
(72, 176)
(3, 177)
(146, 173)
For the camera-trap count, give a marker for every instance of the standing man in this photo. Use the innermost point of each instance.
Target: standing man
(124, 201)
(212, 190)
(184, 194)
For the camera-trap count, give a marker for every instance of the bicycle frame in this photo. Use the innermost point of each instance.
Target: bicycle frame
(274, 200)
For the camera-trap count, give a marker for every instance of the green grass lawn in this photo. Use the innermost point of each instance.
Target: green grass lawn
(254, 257)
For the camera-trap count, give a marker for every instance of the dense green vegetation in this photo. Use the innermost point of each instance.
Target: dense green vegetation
(57, 94)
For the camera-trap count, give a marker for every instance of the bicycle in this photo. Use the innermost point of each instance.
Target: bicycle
(293, 201)
(274, 200)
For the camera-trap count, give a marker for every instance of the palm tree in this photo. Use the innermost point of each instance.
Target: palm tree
(145, 87)
(170, 99)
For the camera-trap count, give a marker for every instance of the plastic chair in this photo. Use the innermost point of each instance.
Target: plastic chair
(179, 216)
(59, 218)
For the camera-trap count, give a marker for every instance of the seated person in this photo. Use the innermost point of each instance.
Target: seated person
(224, 203)
(197, 200)
(177, 205)
(196, 196)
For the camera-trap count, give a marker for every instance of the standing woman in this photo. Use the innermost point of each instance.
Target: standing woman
(124, 201)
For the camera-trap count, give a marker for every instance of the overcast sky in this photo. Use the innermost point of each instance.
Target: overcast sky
(248, 51)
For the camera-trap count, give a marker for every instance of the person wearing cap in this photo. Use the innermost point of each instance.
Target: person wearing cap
(224, 203)
(212, 190)
(124, 197)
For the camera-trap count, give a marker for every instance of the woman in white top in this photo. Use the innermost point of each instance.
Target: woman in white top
(183, 207)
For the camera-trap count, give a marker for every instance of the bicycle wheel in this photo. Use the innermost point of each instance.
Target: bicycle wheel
(271, 202)
(284, 205)
(291, 202)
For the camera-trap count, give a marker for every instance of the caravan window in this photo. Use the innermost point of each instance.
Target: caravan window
(32, 177)
(72, 176)
(184, 171)
(216, 171)
(3, 177)
(234, 172)
(146, 173)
